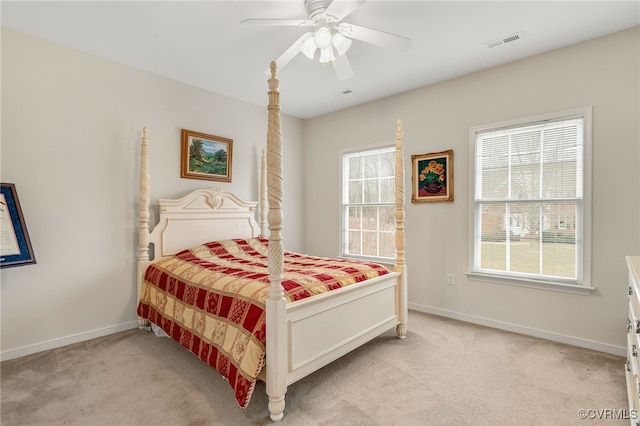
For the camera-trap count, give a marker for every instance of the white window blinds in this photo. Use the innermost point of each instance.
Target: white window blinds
(528, 203)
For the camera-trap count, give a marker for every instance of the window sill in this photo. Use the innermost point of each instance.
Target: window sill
(384, 261)
(541, 285)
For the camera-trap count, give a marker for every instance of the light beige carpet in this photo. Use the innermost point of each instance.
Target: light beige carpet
(445, 373)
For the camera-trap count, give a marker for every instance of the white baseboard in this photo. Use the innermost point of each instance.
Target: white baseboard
(64, 341)
(556, 337)
(548, 335)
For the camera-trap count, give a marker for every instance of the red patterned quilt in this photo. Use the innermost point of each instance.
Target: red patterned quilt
(211, 299)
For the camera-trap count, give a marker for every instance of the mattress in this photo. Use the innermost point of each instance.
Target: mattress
(211, 299)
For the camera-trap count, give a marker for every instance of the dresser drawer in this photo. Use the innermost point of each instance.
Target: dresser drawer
(634, 310)
(633, 321)
(633, 336)
(632, 372)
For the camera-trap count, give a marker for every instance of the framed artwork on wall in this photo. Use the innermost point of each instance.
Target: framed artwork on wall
(15, 245)
(432, 177)
(206, 157)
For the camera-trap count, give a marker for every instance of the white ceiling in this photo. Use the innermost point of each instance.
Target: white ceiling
(202, 42)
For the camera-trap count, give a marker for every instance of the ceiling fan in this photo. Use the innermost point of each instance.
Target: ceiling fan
(329, 35)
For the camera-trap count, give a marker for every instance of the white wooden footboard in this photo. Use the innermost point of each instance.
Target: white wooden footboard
(323, 328)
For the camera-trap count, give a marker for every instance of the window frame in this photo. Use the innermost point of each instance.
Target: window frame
(343, 210)
(582, 285)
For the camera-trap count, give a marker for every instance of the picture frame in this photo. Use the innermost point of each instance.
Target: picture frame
(432, 177)
(206, 157)
(15, 244)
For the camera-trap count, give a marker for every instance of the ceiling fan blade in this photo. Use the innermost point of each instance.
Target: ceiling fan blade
(288, 54)
(277, 22)
(339, 9)
(342, 67)
(377, 37)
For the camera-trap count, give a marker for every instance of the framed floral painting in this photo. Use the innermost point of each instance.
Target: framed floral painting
(206, 157)
(432, 177)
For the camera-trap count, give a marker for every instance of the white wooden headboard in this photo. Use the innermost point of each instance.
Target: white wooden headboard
(201, 216)
(204, 215)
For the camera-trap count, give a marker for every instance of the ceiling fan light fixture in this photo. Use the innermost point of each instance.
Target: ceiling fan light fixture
(308, 45)
(326, 55)
(322, 38)
(341, 43)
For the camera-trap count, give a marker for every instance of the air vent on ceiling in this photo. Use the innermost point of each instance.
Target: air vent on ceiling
(503, 40)
(342, 92)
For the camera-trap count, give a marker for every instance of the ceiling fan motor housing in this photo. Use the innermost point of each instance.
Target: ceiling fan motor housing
(315, 8)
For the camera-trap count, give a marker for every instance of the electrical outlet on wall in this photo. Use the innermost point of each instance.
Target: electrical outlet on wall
(450, 279)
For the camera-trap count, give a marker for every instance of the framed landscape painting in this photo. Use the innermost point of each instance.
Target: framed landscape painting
(206, 157)
(432, 177)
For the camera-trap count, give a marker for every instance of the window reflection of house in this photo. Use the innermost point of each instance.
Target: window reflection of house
(529, 198)
(527, 191)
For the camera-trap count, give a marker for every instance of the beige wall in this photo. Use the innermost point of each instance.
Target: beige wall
(71, 127)
(603, 73)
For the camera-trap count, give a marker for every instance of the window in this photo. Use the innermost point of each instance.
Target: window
(368, 203)
(530, 219)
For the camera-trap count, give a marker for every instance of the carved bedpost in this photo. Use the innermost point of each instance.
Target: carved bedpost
(143, 212)
(263, 194)
(401, 265)
(276, 304)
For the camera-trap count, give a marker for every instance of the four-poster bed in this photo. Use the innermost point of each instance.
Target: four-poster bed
(289, 312)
